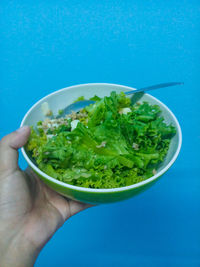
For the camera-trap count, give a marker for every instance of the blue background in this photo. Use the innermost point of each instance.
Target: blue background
(48, 45)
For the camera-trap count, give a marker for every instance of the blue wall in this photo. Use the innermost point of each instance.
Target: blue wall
(48, 45)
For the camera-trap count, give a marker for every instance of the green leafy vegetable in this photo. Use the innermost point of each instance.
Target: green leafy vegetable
(80, 98)
(60, 111)
(114, 144)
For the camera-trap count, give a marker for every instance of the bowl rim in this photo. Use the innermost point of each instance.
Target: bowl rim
(103, 190)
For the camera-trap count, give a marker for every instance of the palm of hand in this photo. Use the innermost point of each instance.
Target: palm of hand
(30, 208)
(30, 212)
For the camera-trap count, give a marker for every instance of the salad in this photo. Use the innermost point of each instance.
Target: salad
(108, 144)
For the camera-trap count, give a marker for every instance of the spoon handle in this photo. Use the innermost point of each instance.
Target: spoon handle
(152, 87)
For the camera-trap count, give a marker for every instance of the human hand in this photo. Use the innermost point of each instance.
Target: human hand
(30, 212)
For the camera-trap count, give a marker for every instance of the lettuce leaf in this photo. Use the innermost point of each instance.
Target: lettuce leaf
(107, 149)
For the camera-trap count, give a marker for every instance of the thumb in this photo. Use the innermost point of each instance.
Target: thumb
(9, 146)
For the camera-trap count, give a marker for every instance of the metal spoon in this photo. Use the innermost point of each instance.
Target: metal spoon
(137, 94)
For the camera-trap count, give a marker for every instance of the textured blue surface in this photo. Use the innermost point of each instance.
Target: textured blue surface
(48, 45)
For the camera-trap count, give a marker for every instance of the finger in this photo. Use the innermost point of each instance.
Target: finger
(76, 206)
(9, 146)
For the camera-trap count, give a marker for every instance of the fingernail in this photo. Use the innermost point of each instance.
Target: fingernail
(22, 129)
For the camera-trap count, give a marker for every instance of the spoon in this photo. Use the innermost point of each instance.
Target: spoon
(137, 94)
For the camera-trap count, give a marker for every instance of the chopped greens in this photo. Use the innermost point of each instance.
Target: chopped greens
(108, 144)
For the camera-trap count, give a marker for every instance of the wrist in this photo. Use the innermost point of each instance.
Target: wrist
(19, 253)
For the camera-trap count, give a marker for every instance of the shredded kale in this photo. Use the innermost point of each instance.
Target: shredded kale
(108, 148)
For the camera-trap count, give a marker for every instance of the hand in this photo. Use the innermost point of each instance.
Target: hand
(30, 212)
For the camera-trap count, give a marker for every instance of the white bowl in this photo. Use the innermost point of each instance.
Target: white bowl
(64, 97)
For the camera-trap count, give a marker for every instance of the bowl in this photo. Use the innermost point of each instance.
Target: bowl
(64, 97)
